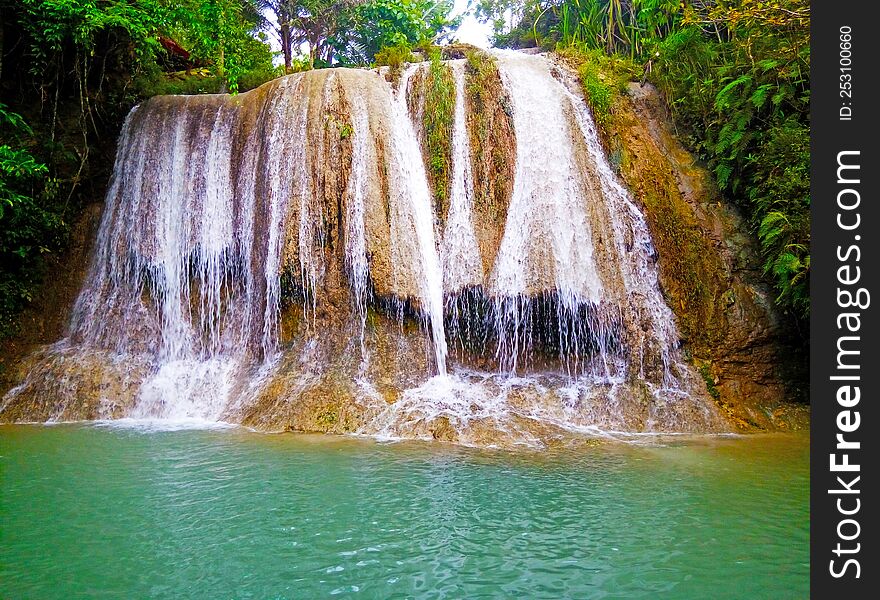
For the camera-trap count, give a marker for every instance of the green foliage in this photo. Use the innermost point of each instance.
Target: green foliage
(219, 33)
(155, 82)
(372, 26)
(738, 80)
(604, 79)
(54, 25)
(520, 23)
(313, 25)
(438, 117)
(394, 56)
(256, 77)
(342, 128)
(28, 228)
(598, 93)
(780, 194)
(628, 27)
(618, 26)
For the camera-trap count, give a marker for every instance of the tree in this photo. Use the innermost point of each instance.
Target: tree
(353, 31)
(310, 23)
(27, 228)
(378, 24)
(320, 23)
(222, 33)
(72, 68)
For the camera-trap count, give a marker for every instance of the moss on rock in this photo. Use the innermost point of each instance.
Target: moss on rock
(437, 120)
(709, 266)
(493, 150)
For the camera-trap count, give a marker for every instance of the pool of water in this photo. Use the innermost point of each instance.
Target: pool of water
(107, 511)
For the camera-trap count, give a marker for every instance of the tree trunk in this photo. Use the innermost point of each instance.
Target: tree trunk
(286, 47)
(314, 43)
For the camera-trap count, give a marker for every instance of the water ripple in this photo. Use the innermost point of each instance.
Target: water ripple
(205, 513)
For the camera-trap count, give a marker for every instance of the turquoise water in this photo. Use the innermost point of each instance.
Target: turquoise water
(98, 511)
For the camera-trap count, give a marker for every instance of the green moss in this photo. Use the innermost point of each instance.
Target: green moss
(490, 126)
(706, 373)
(604, 79)
(481, 70)
(327, 418)
(689, 266)
(437, 122)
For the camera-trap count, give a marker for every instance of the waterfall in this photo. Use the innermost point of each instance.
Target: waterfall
(413, 198)
(459, 252)
(277, 258)
(548, 238)
(356, 236)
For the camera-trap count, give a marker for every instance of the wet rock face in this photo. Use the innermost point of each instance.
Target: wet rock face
(710, 272)
(65, 384)
(281, 259)
(493, 150)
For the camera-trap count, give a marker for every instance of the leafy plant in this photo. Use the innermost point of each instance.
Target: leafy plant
(28, 228)
(438, 117)
(598, 92)
(375, 25)
(393, 56)
(737, 78)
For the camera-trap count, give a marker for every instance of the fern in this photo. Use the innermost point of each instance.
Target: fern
(725, 97)
(759, 97)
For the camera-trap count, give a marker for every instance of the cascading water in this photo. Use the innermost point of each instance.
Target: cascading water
(548, 238)
(276, 259)
(414, 198)
(459, 251)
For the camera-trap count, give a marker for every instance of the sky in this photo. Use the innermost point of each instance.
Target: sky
(471, 31)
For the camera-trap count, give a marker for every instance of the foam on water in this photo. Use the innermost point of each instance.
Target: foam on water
(165, 425)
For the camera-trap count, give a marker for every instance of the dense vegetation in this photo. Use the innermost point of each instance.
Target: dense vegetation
(736, 76)
(69, 72)
(353, 32)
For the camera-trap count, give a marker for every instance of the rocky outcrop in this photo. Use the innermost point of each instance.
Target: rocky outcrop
(710, 272)
(493, 150)
(45, 320)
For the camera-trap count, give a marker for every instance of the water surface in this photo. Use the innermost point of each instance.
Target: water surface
(103, 511)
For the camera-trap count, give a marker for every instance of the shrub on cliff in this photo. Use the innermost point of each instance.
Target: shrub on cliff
(29, 223)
